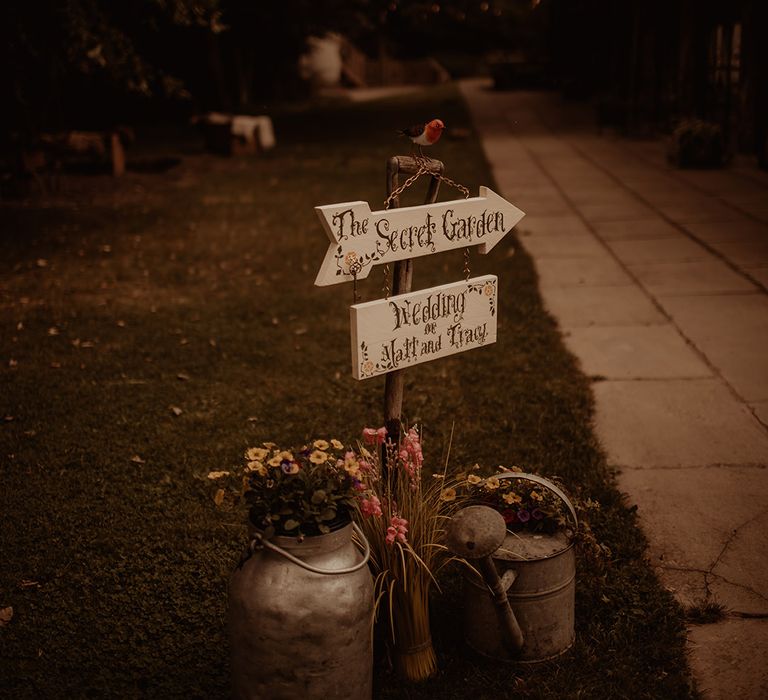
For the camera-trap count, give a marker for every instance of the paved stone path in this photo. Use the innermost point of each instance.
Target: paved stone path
(658, 278)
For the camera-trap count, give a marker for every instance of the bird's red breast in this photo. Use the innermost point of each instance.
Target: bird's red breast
(433, 130)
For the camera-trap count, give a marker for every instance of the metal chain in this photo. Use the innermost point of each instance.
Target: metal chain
(397, 192)
(424, 169)
(461, 188)
(424, 165)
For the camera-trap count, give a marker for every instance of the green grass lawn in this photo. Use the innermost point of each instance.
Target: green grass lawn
(122, 300)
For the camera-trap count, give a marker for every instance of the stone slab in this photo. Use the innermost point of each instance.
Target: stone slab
(576, 307)
(720, 182)
(758, 211)
(617, 211)
(519, 180)
(661, 192)
(744, 251)
(761, 411)
(674, 423)
(689, 210)
(697, 277)
(743, 564)
(732, 331)
(553, 225)
(596, 193)
(706, 519)
(563, 246)
(600, 271)
(758, 274)
(711, 232)
(650, 227)
(546, 203)
(730, 659)
(659, 250)
(635, 352)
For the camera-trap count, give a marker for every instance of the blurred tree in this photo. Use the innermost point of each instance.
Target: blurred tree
(68, 60)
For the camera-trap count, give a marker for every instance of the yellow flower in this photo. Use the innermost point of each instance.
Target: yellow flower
(511, 498)
(318, 457)
(217, 475)
(269, 445)
(351, 466)
(320, 444)
(438, 476)
(536, 496)
(516, 469)
(256, 454)
(246, 484)
(461, 476)
(336, 444)
(448, 495)
(474, 479)
(275, 461)
(257, 467)
(287, 456)
(492, 483)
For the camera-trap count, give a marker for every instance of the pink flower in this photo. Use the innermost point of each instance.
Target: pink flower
(412, 448)
(411, 456)
(397, 530)
(370, 506)
(364, 465)
(374, 436)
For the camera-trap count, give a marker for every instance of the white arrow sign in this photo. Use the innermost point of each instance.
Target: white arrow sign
(361, 238)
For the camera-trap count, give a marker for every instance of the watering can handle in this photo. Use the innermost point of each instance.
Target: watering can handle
(547, 484)
(326, 572)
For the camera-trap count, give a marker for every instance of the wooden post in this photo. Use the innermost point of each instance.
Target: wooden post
(117, 153)
(402, 279)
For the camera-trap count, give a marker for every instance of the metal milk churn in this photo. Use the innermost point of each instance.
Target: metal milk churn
(538, 572)
(300, 620)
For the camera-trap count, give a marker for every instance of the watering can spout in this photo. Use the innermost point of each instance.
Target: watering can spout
(475, 533)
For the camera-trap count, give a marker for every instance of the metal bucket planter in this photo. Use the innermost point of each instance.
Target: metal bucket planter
(300, 617)
(538, 572)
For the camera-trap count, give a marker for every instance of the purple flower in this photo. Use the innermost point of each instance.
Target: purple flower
(536, 514)
(523, 516)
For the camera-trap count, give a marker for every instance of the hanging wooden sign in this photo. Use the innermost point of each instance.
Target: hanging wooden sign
(361, 238)
(405, 330)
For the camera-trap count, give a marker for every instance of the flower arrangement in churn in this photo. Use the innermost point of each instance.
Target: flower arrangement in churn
(300, 492)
